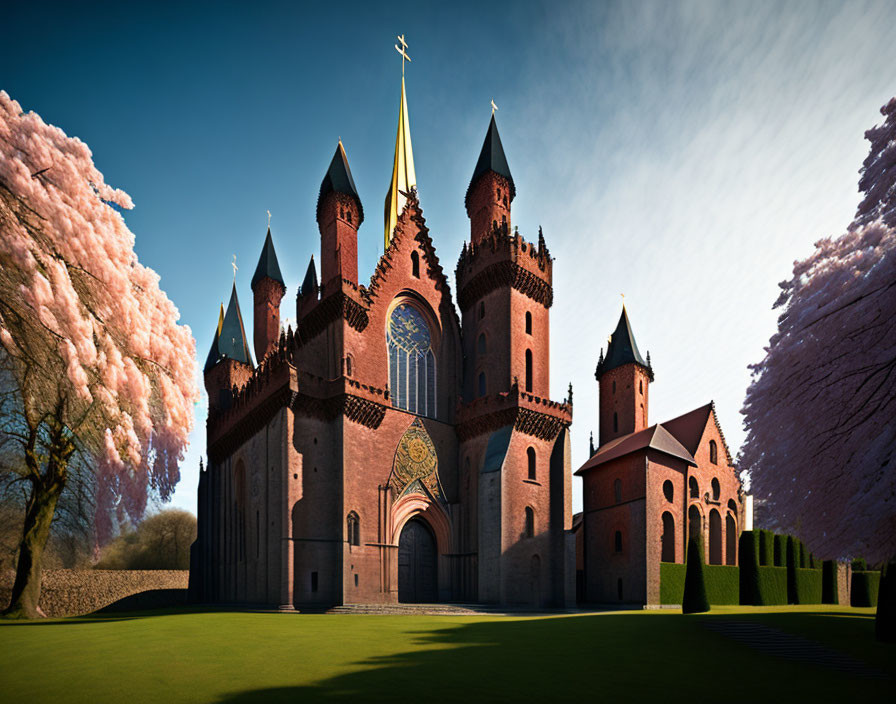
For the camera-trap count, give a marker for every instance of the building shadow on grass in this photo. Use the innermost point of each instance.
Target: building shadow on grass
(601, 656)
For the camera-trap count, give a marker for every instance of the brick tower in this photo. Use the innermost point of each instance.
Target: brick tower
(339, 215)
(624, 378)
(267, 290)
(505, 292)
(229, 364)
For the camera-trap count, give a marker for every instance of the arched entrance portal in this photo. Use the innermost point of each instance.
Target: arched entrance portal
(417, 564)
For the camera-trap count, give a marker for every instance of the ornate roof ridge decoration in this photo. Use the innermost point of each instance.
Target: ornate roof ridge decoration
(411, 214)
(715, 419)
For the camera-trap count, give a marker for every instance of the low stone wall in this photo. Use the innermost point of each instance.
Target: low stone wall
(76, 592)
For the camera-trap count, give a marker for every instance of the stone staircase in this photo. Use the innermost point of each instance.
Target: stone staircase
(442, 610)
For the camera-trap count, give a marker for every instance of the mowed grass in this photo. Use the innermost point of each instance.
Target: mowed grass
(249, 657)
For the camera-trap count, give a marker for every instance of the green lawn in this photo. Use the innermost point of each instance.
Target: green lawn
(244, 657)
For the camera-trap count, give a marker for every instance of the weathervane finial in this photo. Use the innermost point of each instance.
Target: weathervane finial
(269, 219)
(494, 107)
(403, 51)
(235, 267)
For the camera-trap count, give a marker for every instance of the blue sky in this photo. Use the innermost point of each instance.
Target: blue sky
(682, 153)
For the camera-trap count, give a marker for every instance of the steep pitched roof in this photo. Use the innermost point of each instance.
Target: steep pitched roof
(213, 355)
(688, 428)
(232, 342)
(491, 158)
(622, 349)
(656, 437)
(338, 179)
(268, 266)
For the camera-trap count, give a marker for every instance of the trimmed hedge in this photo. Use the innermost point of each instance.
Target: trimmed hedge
(864, 589)
(829, 590)
(766, 548)
(885, 620)
(694, 599)
(780, 550)
(808, 586)
(772, 583)
(748, 550)
(793, 561)
(671, 582)
(722, 584)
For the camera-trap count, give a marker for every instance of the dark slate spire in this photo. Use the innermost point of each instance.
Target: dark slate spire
(491, 158)
(622, 349)
(268, 267)
(213, 355)
(232, 342)
(309, 285)
(338, 179)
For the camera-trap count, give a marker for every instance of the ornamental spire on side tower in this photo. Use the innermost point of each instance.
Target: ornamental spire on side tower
(403, 176)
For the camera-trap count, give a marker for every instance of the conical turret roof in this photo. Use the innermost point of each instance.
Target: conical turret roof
(491, 158)
(268, 266)
(213, 355)
(338, 179)
(309, 285)
(232, 342)
(622, 349)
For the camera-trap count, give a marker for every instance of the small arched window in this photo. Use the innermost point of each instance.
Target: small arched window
(614, 386)
(694, 488)
(348, 365)
(480, 345)
(732, 506)
(530, 522)
(530, 453)
(482, 383)
(354, 529)
(641, 387)
(713, 452)
(528, 323)
(615, 421)
(617, 541)
(529, 371)
(481, 309)
(716, 489)
(668, 490)
(415, 264)
(349, 215)
(617, 490)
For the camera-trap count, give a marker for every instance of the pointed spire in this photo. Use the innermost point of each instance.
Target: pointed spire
(268, 266)
(338, 179)
(591, 445)
(541, 244)
(622, 349)
(309, 285)
(491, 158)
(213, 355)
(403, 176)
(232, 342)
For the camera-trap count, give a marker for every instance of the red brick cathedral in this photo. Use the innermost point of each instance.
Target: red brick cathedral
(392, 447)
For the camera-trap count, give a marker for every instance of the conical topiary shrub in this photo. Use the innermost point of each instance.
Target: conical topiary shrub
(885, 621)
(694, 600)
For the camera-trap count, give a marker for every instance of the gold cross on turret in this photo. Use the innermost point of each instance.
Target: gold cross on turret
(494, 107)
(403, 51)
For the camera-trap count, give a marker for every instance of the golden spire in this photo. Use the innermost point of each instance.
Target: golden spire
(221, 319)
(403, 176)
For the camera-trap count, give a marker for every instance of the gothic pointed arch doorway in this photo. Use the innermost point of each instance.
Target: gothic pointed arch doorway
(417, 563)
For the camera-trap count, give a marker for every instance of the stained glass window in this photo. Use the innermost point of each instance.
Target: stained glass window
(412, 368)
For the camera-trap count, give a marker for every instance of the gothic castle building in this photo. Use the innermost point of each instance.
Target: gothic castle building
(393, 446)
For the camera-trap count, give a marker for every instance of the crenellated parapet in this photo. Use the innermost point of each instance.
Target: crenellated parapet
(505, 259)
(527, 413)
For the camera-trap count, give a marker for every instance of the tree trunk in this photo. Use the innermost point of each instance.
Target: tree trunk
(38, 517)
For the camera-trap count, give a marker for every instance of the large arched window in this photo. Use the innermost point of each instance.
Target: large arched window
(715, 538)
(412, 364)
(530, 453)
(693, 488)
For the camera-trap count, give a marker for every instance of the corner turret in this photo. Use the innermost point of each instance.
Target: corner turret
(491, 188)
(229, 364)
(339, 215)
(268, 289)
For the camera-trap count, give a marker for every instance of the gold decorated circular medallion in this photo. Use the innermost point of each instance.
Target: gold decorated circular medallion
(417, 450)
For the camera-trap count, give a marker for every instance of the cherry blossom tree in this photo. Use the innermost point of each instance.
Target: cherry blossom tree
(94, 368)
(820, 413)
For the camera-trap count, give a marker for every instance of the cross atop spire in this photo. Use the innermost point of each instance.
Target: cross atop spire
(494, 107)
(403, 51)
